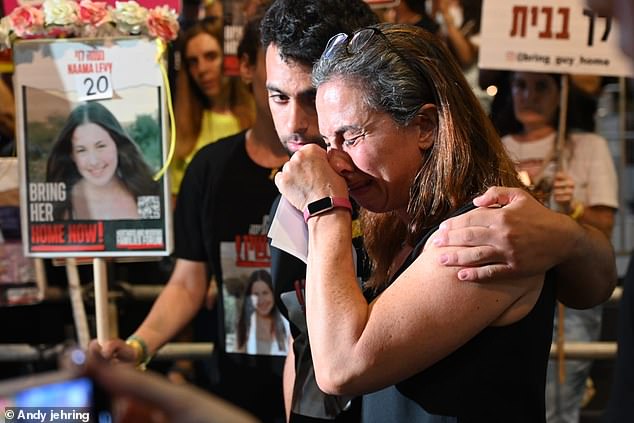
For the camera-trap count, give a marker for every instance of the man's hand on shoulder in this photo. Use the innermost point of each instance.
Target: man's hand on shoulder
(509, 235)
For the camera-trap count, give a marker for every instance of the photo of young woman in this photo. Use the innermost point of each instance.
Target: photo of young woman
(104, 172)
(261, 328)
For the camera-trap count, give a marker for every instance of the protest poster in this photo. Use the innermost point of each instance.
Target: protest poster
(233, 21)
(91, 133)
(559, 36)
(19, 284)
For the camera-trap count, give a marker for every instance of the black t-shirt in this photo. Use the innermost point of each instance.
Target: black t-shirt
(221, 218)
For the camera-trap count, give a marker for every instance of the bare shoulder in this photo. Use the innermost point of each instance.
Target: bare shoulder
(513, 298)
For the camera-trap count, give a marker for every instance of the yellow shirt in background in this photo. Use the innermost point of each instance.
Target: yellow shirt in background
(214, 127)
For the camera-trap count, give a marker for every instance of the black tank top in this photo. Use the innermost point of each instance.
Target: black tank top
(497, 376)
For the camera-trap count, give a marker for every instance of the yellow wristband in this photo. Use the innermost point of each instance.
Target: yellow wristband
(141, 351)
(577, 211)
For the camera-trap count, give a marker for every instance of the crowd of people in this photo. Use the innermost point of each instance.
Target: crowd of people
(434, 260)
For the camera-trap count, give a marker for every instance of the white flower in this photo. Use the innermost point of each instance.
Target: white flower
(60, 12)
(129, 17)
(5, 30)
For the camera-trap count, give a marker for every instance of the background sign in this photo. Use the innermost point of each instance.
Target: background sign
(233, 21)
(17, 274)
(561, 36)
(88, 190)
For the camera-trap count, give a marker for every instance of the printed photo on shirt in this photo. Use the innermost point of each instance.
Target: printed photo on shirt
(253, 324)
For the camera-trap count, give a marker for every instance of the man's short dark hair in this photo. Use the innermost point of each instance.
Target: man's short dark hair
(250, 42)
(301, 28)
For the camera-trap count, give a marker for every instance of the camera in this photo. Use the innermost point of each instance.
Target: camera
(62, 396)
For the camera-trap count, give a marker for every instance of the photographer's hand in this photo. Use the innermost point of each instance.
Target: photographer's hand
(179, 403)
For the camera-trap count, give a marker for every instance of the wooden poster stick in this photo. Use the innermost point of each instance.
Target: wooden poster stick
(561, 164)
(563, 111)
(40, 278)
(77, 303)
(101, 299)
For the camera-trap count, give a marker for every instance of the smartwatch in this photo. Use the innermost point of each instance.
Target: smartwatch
(324, 204)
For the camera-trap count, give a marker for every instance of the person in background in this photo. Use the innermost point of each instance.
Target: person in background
(213, 8)
(460, 29)
(460, 21)
(103, 170)
(207, 106)
(585, 187)
(620, 406)
(412, 12)
(222, 209)
(261, 328)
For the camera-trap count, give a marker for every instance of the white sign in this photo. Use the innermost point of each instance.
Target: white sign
(561, 36)
(94, 86)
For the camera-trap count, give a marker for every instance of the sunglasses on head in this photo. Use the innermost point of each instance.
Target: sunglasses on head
(353, 45)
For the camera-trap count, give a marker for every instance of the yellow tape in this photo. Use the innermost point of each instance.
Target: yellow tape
(161, 49)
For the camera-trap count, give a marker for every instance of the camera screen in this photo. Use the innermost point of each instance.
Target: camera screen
(68, 393)
(77, 399)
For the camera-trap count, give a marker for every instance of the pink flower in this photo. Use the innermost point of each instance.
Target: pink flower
(26, 21)
(162, 22)
(93, 12)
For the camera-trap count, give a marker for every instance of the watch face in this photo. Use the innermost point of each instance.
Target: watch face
(320, 205)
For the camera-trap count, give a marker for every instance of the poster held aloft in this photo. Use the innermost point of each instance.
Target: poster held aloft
(556, 36)
(92, 100)
(91, 136)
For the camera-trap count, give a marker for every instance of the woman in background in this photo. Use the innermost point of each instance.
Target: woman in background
(208, 106)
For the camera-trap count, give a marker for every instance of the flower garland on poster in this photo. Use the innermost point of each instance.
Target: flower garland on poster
(87, 18)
